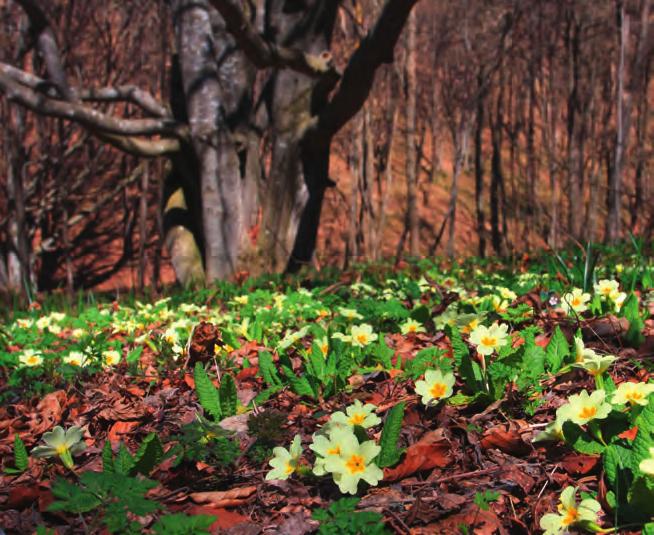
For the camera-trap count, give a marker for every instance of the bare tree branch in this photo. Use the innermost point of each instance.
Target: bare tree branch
(47, 46)
(263, 53)
(124, 93)
(93, 119)
(375, 49)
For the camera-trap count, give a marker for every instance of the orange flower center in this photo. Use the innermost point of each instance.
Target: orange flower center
(334, 451)
(438, 390)
(33, 359)
(588, 412)
(355, 464)
(357, 419)
(362, 339)
(571, 516)
(634, 395)
(489, 341)
(289, 468)
(576, 302)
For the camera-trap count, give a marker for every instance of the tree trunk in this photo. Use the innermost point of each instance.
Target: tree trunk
(411, 168)
(479, 165)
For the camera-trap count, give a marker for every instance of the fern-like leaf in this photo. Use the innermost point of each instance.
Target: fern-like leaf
(389, 454)
(207, 393)
(227, 394)
(148, 456)
(21, 457)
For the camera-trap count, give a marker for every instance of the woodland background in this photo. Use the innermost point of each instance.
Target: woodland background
(500, 127)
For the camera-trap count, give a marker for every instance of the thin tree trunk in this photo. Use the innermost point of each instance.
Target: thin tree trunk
(143, 226)
(479, 166)
(411, 175)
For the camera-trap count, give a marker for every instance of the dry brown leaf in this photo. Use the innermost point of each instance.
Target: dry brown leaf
(431, 451)
(507, 440)
(227, 498)
(579, 464)
(48, 412)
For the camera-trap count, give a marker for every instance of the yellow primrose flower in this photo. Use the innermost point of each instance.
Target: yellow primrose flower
(411, 326)
(43, 323)
(78, 333)
(170, 336)
(505, 293)
(593, 363)
(350, 314)
(435, 387)
(323, 313)
(24, 323)
(647, 465)
(285, 462)
(500, 305)
(64, 443)
(575, 301)
(29, 357)
(241, 299)
(110, 357)
(323, 344)
(362, 335)
(607, 289)
(242, 328)
(467, 328)
(75, 358)
(581, 351)
(619, 268)
(632, 393)
(354, 463)
(570, 513)
(583, 408)
(356, 414)
(619, 299)
(489, 339)
(326, 446)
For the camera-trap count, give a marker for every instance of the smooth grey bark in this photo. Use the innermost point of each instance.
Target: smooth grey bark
(410, 126)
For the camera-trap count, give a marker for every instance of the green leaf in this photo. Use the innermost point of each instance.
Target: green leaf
(557, 351)
(648, 529)
(107, 457)
(631, 311)
(618, 466)
(207, 392)
(580, 440)
(299, 385)
(645, 438)
(268, 370)
(72, 499)
(181, 524)
(148, 455)
(469, 370)
(134, 355)
(124, 461)
(390, 454)
(21, 457)
(227, 394)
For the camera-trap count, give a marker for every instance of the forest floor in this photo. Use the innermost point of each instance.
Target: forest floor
(473, 397)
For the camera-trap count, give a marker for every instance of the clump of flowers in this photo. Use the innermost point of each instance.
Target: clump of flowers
(609, 291)
(61, 443)
(353, 462)
(575, 301)
(570, 513)
(285, 462)
(356, 414)
(435, 387)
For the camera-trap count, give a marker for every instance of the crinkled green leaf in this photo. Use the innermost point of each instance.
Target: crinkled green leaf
(207, 392)
(390, 453)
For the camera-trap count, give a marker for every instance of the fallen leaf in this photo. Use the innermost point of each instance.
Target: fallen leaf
(431, 451)
(48, 412)
(507, 440)
(227, 498)
(121, 428)
(224, 519)
(579, 464)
